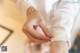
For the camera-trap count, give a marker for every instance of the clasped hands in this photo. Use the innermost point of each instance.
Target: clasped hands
(34, 20)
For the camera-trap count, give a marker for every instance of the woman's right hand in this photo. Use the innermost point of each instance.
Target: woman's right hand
(34, 20)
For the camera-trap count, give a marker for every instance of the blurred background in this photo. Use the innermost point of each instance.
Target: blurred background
(11, 35)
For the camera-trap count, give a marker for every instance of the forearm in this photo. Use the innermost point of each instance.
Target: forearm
(59, 47)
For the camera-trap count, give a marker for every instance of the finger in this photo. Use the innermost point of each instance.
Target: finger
(45, 29)
(33, 39)
(35, 34)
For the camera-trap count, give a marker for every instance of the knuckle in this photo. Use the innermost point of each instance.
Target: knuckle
(31, 11)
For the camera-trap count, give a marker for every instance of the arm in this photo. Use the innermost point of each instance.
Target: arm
(34, 19)
(62, 20)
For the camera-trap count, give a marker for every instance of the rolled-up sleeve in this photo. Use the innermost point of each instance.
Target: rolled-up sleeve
(22, 6)
(62, 19)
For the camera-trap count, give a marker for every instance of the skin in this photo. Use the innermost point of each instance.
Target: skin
(30, 30)
(29, 27)
(59, 47)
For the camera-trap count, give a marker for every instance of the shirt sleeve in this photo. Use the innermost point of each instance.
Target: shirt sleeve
(62, 18)
(22, 6)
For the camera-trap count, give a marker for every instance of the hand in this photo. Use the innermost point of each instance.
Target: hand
(35, 20)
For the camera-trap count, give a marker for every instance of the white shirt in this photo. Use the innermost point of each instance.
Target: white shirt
(61, 18)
